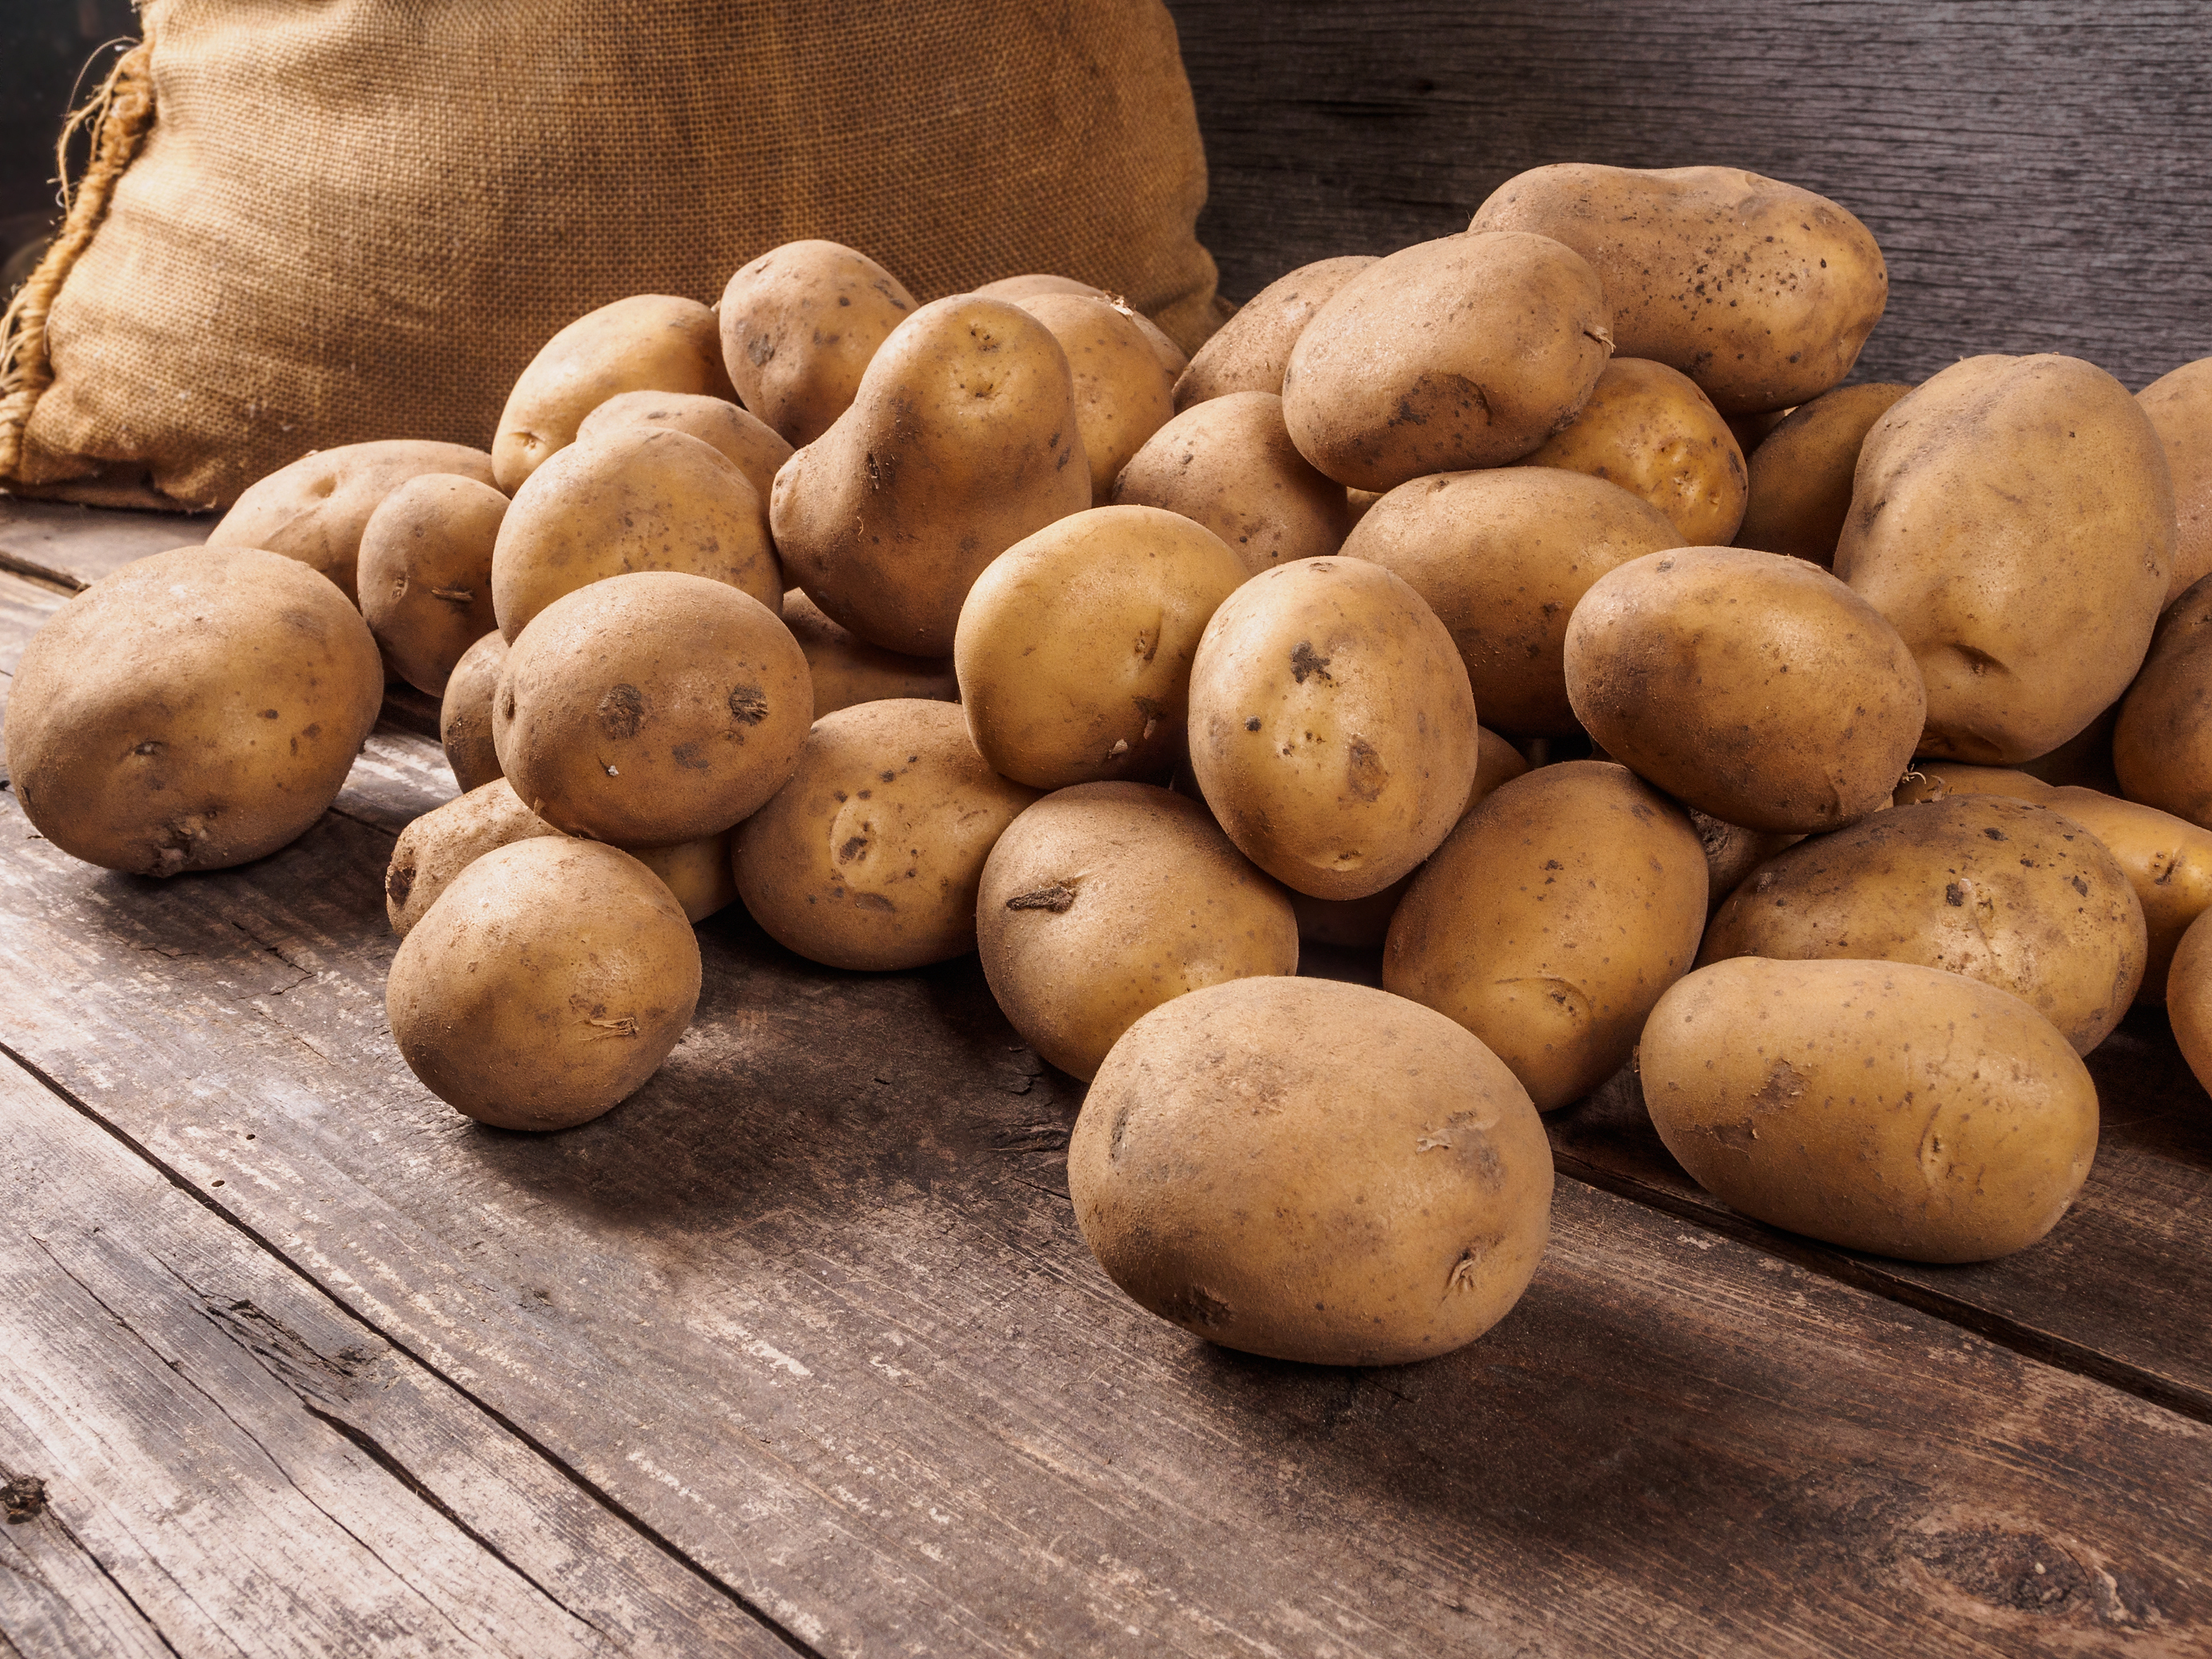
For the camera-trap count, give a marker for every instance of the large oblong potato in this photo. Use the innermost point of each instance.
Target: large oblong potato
(1230, 464)
(2162, 742)
(1757, 688)
(1466, 351)
(870, 855)
(847, 670)
(647, 342)
(1876, 1105)
(1650, 429)
(190, 711)
(2180, 406)
(759, 450)
(1551, 919)
(2189, 999)
(1121, 393)
(2168, 862)
(1250, 351)
(425, 573)
(438, 846)
(1760, 292)
(1372, 1190)
(799, 327)
(1801, 474)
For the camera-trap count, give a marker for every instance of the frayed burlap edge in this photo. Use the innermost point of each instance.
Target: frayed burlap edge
(120, 114)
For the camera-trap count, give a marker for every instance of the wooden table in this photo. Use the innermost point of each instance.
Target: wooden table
(800, 1349)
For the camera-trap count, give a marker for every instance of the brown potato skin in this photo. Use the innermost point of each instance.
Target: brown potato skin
(2014, 518)
(2189, 999)
(696, 872)
(1377, 1192)
(2180, 406)
(1550, 922)
(647, 342)
(1101, 901)
(2162, 742)
(631, 498)
(2001, 890)
(847, 670)
(2168, 862)
(1760, 292)
(1940, 780)
(464, 714)
(1249, 352)
(545, 984)
(1074, 648)
(1801, 474)
(1876, 1105)
(315, 509)
(1502, 556)
(870, 856)
(962, 440)
(651, 708)
(1121, 393)
(1732, 853)
(1171, 357)
(1463, 352)
(1650, 429)
(1332, 731)
(757, 448)
(800, 325)
(190, 711)
(438, 846)
(425, 573)
(1755, 688)
(1228, 464)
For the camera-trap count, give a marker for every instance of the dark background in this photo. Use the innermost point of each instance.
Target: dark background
(44, 46)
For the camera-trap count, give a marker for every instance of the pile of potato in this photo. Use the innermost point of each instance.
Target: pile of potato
(994, 624)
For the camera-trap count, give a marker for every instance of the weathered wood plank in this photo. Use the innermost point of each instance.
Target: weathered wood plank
(56, 1599)
(24, 605)
(2033, 172)
(77, 546)
(812, 1305)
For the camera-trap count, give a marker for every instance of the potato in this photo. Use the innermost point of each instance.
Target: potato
(1376, 1191)
(1121, 393)
(1940, 780)
(651, 708)
(465, 715)
(1249, 352)
(2012, 517)
(696, 872)
(759, 450)
(1463, 352)
(799, 326)
(1503, 557)
(2179, 407)
(1876, 1105)
(1101, 901)
(1230, 464)
(315, 509)
(1801, 475)
(1551, 919)
(2189, 999)
(1733, 852)
(2162, 744)
(1756, 688)
(1170, 356)
(847, 670)
(1074, 648)
(631, 498)
(1753, 430)
(1760, 292)
(190, 711)
(425, 573)
(963, 440)
(1647, 428)
(870, 856)
(546, 984)
(1332, 730)
(2001, 890)
(438, 846)
(647, 342)
(2167, 860)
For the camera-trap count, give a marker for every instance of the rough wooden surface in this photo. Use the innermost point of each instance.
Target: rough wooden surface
(77, 545)
(2034, 172)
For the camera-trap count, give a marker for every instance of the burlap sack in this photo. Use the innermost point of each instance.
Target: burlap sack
(311, 224)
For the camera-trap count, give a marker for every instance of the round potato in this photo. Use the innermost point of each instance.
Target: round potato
(847, 670)
(2169, 862)
(1463, 352)
(425, 573)
(1103, 902)
(1647, 428)
(759, 450)
(2001, 890)
(697, 872)
(1756, 688)
(1940, 780)
(799, 327)
(1377, 1192)
(647, 342)
(1551, 919)
(547, 983)
(1732, 853)
(1503, 557)
(1171, 357)
(2179, 407)
(1801, 474)
(1876, 1105)
(1332, 730)
(190, 711)
(1074, 648)
(315, 509)
(2162, 742)
(1760, 292)
(1121, 393)
(2189, 999)
(870, 856)
(1228, 464)
(438, 846)
(651, 708)
(464, 714)
(1249, 352)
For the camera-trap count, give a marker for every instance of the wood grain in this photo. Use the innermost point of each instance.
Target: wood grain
(77, 545)
(2035, 174)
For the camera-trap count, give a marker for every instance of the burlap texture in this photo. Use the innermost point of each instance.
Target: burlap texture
(331, 221)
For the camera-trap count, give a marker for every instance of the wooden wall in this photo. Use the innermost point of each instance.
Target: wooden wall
(2039, 176)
